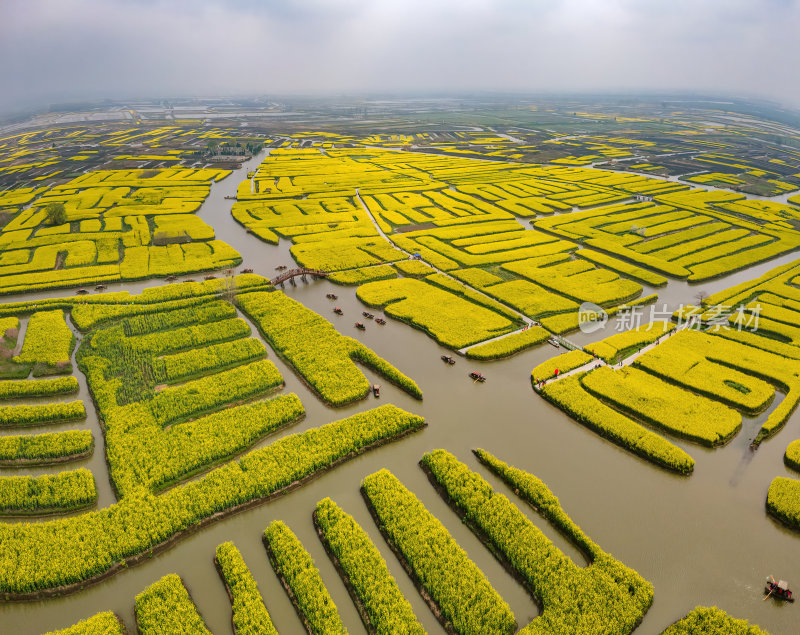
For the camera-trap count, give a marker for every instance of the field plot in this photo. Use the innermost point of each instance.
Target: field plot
(449, 319)
(365, 274)
(712, 620)
(123, 364)
(164, 380)
(687, 235)
(166, 607)
(459, 216)
(509, 345)
(771, 340)
(181, 387)
(610, 593)
(48, 344)
(726, 169)
(94, 543)
(600, 596)
(250, 615)
(302, 580)
(435, 559)
(112, 225)
(373, 589)
(32, 413)
(324, 358)
(106, 623)
(470, 227)
(450, 229)
(692, 385)
(603, 596)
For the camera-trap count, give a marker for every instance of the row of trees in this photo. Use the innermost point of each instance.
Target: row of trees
(214, 147)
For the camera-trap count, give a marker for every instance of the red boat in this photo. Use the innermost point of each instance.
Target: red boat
(476, 376)
(337, 310)
(360, 326)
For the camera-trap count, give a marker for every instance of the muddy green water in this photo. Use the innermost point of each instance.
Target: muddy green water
(702, 540)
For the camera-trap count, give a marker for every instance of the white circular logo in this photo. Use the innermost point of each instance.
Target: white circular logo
(591, 317)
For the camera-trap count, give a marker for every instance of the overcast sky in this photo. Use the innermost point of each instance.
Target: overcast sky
(55, 50)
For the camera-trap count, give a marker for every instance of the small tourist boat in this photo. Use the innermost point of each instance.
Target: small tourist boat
(367, 315)
(189, 280)
(247, 270)
(100, 287)
(209, 277)
(171, 278)
(376, 390)
(360, 326)
(380, 321)
(82, 292)
(337, 310)
(448, 359)
(476, 376)
(280, 268)
(230, 198)
(332, 296)
(553, 342)
(779, 589)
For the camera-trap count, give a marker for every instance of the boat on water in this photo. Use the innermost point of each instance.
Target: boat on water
(779, 590)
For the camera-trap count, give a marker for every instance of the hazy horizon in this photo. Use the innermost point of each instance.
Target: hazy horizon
(72, 50)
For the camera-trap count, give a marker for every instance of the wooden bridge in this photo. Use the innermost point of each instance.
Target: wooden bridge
(293, 273)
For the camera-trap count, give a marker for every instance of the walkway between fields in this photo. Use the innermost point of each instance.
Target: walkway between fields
(383, 235)
(594, 363)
